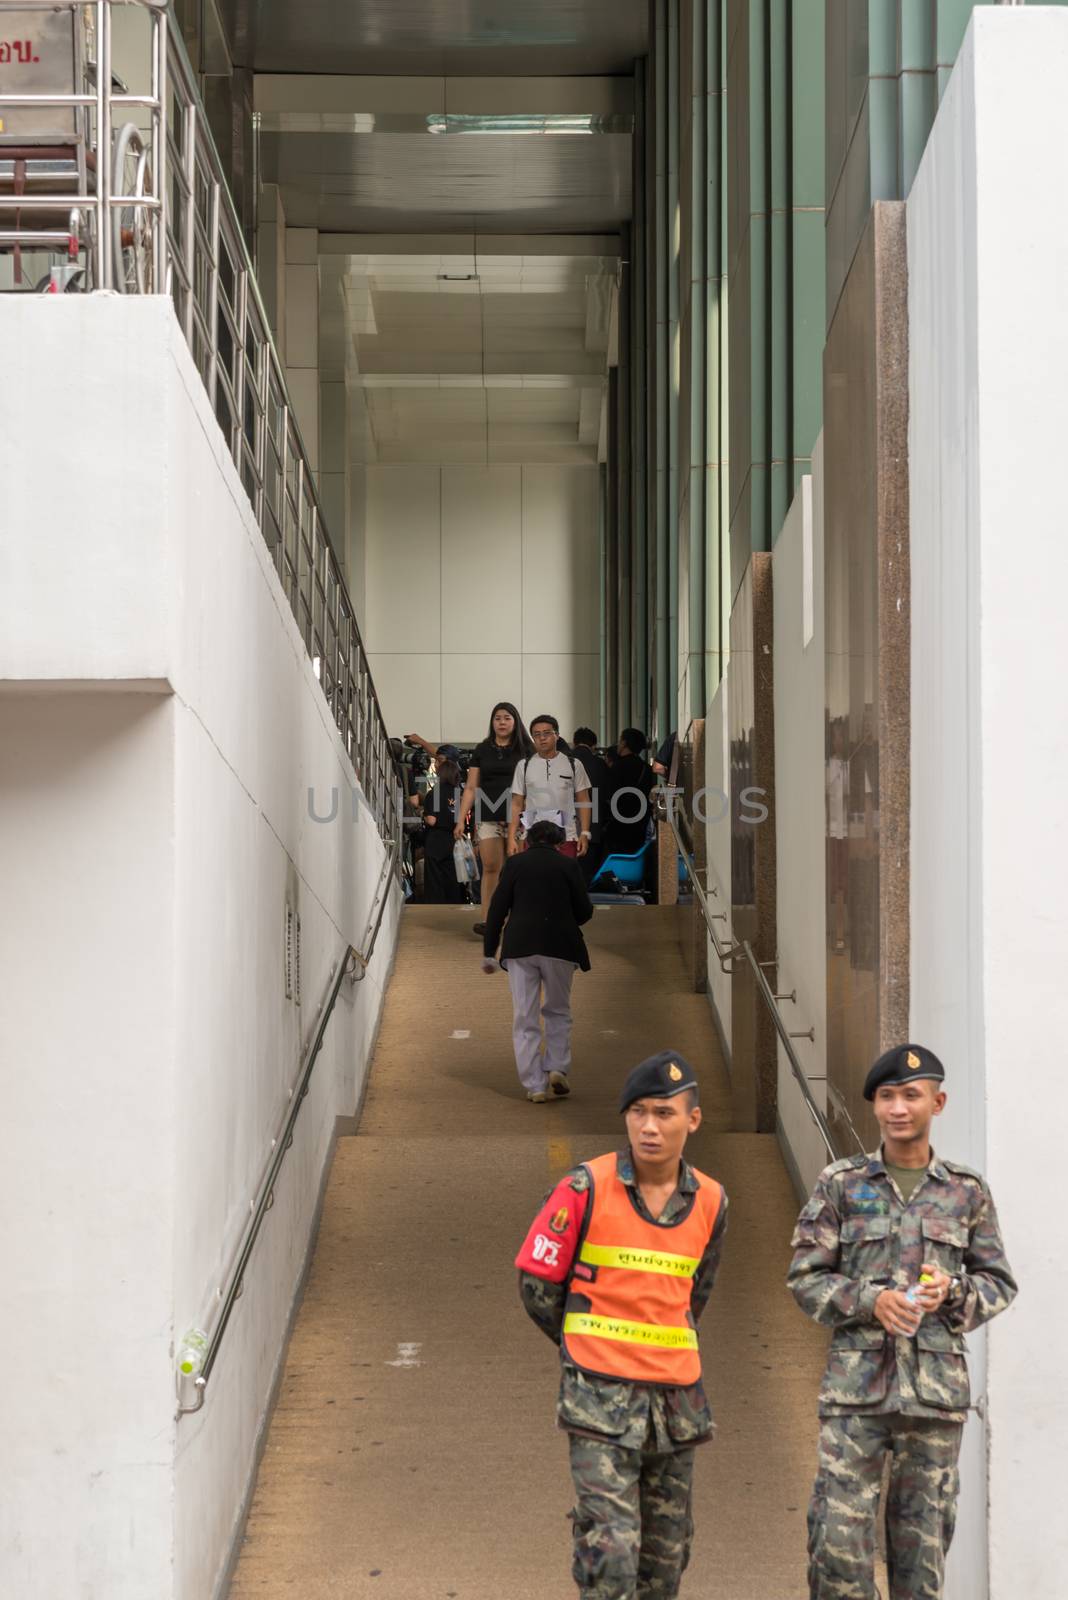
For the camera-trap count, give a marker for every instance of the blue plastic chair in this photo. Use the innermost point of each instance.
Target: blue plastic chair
(626, 869)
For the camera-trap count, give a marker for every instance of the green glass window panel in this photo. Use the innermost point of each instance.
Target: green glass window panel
(882, 141)
(951, 24)
(918, 104)
(882, 31)
(809, 316)
(916, 35)
(809, 110)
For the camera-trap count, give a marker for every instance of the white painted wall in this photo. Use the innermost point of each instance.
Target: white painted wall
(481, 584)
(148, 1047)
(87, 1055)
(988, 260)
(718, 834)
(800, 826)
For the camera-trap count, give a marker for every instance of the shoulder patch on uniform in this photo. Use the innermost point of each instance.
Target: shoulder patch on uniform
(843, 1165)
(580, 1181)
(962, 1171)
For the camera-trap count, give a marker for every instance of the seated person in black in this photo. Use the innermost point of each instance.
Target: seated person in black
(440, 884)
(627, 821)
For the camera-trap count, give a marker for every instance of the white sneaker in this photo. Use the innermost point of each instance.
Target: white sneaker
(537, 1095)
(558, 1084)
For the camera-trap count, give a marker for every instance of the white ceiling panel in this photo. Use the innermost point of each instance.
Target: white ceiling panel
(496, 368)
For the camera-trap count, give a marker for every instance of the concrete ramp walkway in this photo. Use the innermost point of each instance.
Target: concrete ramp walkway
(413, 1453)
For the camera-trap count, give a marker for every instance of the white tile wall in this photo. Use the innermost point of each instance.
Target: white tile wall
(403, 556)
(470, 687)
(302, 317)
(491, 572)
(566, 686)
(481, 563)
(988, 350)
(304, 392)
(561, 609)
(409, 690)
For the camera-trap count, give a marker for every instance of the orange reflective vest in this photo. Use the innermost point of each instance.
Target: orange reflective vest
(628, 1302)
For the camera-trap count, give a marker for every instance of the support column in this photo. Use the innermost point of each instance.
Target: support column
(302, 333)
(271, 262)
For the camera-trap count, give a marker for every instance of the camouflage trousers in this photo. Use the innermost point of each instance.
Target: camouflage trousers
(632, 1522)
(921, 1505)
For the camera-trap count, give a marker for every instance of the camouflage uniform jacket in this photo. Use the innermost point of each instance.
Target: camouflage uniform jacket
(857, 1237)
(632, 1415)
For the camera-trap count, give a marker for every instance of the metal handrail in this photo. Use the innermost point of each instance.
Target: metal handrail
(723, 951)
(354, 964)
(726, 952)
(200, 257)
(842, 1110)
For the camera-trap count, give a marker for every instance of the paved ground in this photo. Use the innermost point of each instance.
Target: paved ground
(413, 1453)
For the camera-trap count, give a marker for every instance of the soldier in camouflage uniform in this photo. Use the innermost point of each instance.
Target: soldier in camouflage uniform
(896, 1381)
(632, 1443)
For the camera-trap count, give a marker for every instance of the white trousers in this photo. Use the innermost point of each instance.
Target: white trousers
(526, 977)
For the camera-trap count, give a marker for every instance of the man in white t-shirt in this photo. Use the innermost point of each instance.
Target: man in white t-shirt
(550, 787)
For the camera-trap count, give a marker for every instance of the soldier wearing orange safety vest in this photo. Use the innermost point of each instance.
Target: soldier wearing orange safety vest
(617, 1267)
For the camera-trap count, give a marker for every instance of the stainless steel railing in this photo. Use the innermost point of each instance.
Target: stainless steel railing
(178, 232)
(726, 954)
(353, 963)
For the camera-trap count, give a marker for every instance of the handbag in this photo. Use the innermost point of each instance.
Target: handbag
(465, 861)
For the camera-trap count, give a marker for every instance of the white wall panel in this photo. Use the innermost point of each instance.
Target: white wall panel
(800, 827)
(171, 1022)
(560, 559)
(470, 687)
(565, 686)
(86, 1170)
(409, 688)
(465, 562)
(988, 260)
(304, 392)
(403, 559)
(481, 559)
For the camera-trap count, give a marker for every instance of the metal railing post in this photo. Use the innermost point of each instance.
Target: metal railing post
(161, 217)
(103, 145)
(189, 232)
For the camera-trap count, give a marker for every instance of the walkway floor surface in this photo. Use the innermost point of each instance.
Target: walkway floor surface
(413, 1454)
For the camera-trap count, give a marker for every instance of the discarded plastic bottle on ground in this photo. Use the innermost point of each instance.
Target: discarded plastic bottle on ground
(192, 1353)
(912, 1293)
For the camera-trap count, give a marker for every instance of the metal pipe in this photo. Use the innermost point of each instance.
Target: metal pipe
(787, 1038)
(159, 149)
(72, 202)
(723, 951)
(103, 145)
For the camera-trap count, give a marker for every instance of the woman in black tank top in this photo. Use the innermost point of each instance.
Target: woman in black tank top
(489, 784)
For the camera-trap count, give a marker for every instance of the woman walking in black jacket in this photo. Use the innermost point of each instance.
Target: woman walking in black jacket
(543, 897)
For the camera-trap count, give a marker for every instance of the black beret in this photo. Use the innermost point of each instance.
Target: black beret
(905, 1063)
(658, 1078)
